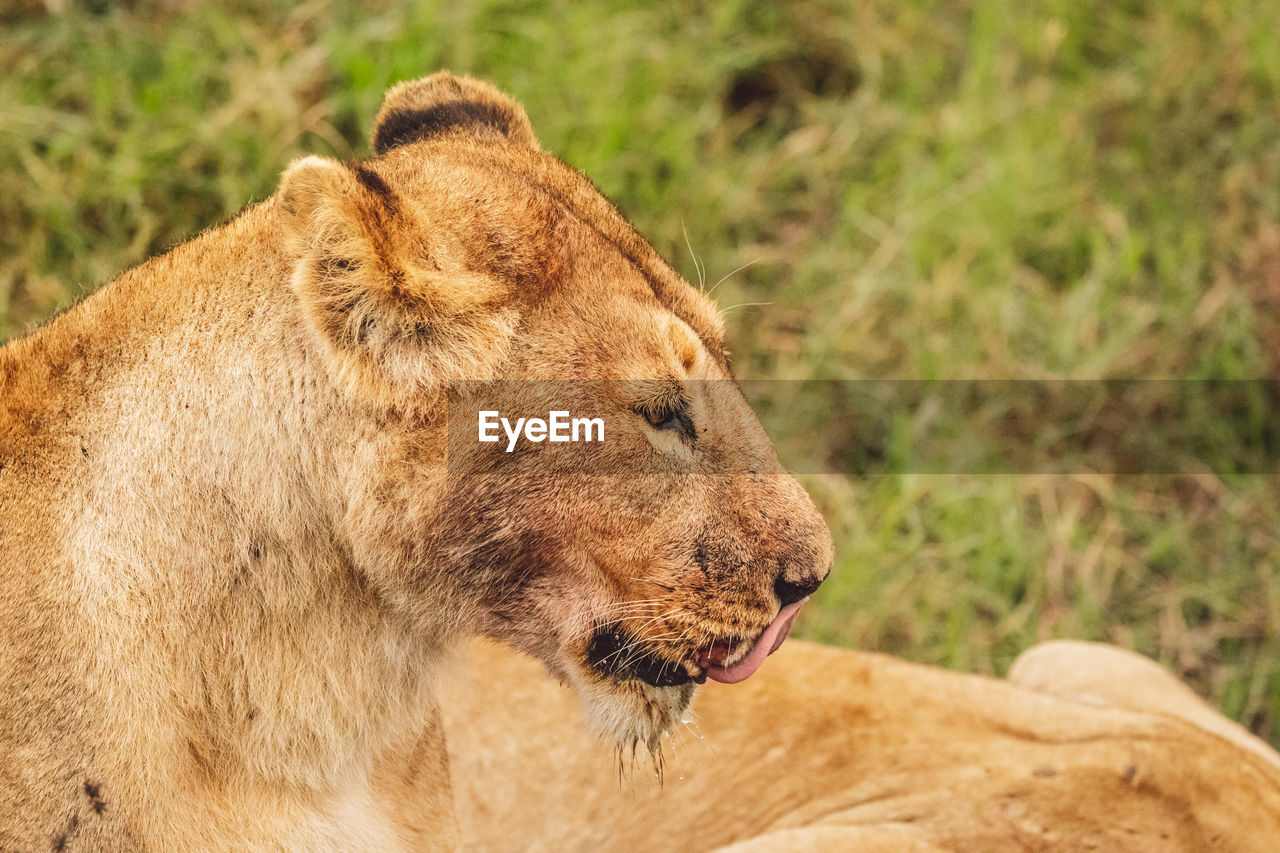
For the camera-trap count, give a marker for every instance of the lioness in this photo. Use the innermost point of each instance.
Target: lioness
(234, 554)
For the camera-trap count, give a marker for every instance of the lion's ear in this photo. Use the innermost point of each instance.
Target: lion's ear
(396, 306)
(442, 103)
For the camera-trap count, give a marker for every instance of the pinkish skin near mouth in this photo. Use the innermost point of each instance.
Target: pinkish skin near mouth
(712, 657)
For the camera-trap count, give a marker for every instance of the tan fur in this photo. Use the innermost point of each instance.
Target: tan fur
(236, 547)
(1087, 747)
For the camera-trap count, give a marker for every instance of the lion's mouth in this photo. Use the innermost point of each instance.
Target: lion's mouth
(746, 657)
(728, 660)
(612, 652)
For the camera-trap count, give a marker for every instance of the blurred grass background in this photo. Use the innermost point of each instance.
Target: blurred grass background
(932, 190)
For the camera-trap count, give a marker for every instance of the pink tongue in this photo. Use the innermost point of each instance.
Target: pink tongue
(765, 646)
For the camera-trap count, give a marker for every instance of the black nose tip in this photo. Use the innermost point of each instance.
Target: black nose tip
(790, 593)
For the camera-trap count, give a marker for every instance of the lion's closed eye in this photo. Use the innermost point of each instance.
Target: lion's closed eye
(669, 414)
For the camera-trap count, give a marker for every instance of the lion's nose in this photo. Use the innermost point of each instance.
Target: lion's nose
(790, 592)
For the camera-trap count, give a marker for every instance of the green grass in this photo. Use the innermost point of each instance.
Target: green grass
(933, 190)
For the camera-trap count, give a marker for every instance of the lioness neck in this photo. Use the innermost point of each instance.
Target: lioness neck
(205, 585)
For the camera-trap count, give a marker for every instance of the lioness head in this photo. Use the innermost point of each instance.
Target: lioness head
(675, 549)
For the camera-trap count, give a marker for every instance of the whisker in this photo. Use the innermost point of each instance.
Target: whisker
(637, 651)
(697, 265)
(734, 272)
(745, 305)
(606, 614)
(593, 624)
(655, 583)
(632, 650)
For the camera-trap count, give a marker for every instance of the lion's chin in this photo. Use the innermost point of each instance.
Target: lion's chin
(630, 713)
